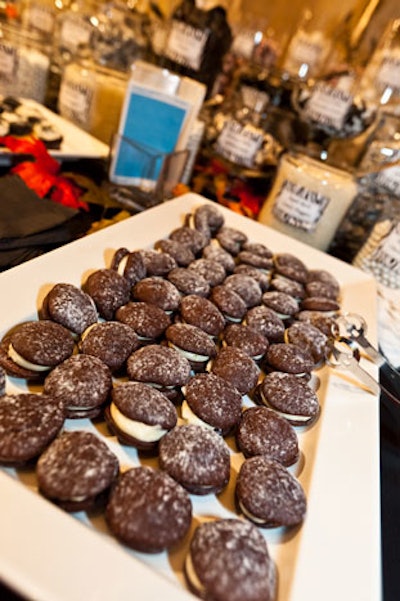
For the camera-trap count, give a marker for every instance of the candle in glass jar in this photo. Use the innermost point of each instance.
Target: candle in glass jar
(308, 200)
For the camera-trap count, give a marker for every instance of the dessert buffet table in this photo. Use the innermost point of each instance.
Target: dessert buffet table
(49, 555)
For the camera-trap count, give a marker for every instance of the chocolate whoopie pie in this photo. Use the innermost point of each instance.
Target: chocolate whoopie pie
(261, 262)
(110, 341)
(228, 560)
(157, 291)
(320, 319)
(33, 348)
(288, 286)
(325, 277)
(190, 237)
(320, 303)
(289, 358)
(129, 264)
(268, 495)
(148, 321)
(289, 396)
(83, 384)
(212, 271)
(201, 312)
(160, 366)
(246, 339)
(317, 288)
(69, 306)
(231, 239)
(261, 431)
(28, 423)
(235, 366)
(76, 471)
(266, 322)
(246, 287)
(262, 277)
(310, 338)
(214, 252)
(284, 305)
(109, 290)
(208, 219)
(188, 281)
(258, 248)
(291, 266)
(193, 343)
(212, 402)
(196, 457)
(140, 415)
(229, 303)
(148, 510)
(178, 251)
(156, 263)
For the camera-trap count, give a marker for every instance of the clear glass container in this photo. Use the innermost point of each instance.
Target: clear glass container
(308, 199)
(24, 63)
(91, 96)
(40, 15)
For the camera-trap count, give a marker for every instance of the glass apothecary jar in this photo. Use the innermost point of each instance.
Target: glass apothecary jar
(24, 63)
(91, 96)
(308, 199)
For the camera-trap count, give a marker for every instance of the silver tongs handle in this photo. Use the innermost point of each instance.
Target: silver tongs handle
(343, 356)
(353, 327)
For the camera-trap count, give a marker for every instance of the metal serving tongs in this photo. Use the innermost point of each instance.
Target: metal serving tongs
(349, 331)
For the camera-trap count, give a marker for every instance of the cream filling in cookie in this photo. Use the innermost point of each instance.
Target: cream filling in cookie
(250, 515)
(138, 430)
(188, 354)
(191, 418)
(122, 265)
(192, 576)
(16, 357)
(288, 416)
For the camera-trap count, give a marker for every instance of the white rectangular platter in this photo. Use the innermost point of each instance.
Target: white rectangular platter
(49, 555)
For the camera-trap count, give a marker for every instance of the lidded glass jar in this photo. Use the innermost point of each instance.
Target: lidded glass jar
(24, 63)
(40, 15)
(308, 199)
(91, 96)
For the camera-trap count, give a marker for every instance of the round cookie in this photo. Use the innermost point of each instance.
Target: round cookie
(291, 267)
(33, 348)
(228, 560)
(161, 367)
(326, 277)
(284, 305)
(109, 290)
(69, 306)
(193, 343)
(231, 239)
(246, 287)
(320, 303)
(157, 291)
(262, 277)
(233, 365)
(129, 264)
(288, 286)
(229, 303)
(246, 339)
(290, 397)
(212, 271)
(289, 358)
(266, 322)
(156, 263)
(148, 321)
(310, 338)
(110, 341)
(140, 415)
(187, 281)
(77, 471)
(28, 423)
(214, 252)
(196, 457)
(148, 511)
(258, 248)
(202, 313)
(321, 320)
(268, 495)
(212, 402)
(180, 252)
(317, 288)
(82, 383)
(261, 431)
(190, 237)
(261, 262)
(208, 219)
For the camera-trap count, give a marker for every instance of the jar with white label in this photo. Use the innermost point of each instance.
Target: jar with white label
(91, 96)
(40, 15)
(24, 63)
(380, 254)
(308, 200)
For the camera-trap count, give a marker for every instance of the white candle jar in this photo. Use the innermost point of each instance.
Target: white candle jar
(308, 200)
